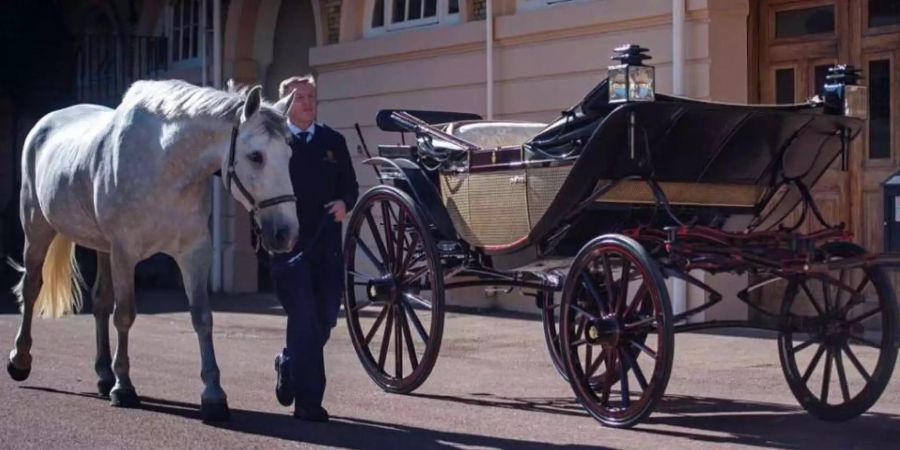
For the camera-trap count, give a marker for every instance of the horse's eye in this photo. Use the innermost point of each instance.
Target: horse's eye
(255, 157)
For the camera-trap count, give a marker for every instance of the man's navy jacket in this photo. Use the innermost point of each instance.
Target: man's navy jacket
(321, 171)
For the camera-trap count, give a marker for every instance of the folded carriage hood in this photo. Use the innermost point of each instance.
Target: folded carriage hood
(683, 140)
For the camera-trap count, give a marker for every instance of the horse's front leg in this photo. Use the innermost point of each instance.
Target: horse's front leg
(194, 264)
(122, 270)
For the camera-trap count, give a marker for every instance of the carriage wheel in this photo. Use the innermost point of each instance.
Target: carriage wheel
(395, 294)
(839, 367)
(616, 372)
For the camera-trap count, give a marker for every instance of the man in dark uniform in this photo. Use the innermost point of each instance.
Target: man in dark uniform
(310, 288)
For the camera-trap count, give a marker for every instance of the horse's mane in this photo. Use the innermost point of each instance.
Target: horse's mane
(176, 99)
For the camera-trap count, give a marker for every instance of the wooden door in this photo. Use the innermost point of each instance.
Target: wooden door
(798, 42)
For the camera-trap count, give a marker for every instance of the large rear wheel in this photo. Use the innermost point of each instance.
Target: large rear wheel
(395, 295)
(841, 360)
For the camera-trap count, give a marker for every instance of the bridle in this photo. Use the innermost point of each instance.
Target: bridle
(231, 177)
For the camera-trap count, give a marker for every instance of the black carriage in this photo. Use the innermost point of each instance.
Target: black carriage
(592, 213)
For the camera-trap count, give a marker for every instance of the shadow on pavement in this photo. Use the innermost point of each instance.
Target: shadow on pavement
(343, 432)
(722, 421)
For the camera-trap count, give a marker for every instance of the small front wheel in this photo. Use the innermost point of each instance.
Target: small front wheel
(614, 301)
(394, 300)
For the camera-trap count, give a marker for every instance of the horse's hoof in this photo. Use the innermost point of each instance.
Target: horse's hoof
(105, 386)
(214, 412)
(17, 373)
(124, 398)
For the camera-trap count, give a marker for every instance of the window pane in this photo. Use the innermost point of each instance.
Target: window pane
(176, 18)
(880, 109)
(453, 7)
(415, 9)
(195, 27)
(784, 86)
(399, 11)
(884, 12)
(378, 14)
(799, 22)
(430, 8)
(820, 73)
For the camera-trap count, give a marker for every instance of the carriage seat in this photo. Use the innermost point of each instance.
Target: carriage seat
(495, 133)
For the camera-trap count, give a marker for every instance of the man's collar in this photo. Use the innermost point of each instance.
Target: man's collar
(297, 130)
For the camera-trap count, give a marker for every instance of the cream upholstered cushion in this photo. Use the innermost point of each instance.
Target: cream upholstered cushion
(493, 134)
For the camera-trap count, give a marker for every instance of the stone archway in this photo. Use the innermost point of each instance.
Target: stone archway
(294, 34)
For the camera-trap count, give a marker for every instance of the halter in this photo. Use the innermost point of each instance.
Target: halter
(231, 177)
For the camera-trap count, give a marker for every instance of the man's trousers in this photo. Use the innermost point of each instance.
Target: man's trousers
(310, 291)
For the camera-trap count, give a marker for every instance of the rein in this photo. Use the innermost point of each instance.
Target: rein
(231, 177)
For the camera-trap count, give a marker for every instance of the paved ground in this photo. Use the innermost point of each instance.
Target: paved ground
(493, 387)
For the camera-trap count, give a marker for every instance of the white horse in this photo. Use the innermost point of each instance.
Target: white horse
(132, 182)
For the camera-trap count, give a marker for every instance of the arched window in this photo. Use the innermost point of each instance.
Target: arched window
(391, 15)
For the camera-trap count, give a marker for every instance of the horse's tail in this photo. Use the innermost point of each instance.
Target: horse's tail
(61, 290)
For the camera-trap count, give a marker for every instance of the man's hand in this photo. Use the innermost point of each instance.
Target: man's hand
(338, 209)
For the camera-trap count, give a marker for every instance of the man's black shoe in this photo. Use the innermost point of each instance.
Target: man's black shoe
(284, 391)
(318, 414)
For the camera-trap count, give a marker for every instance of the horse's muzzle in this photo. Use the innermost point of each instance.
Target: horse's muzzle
(278, 234)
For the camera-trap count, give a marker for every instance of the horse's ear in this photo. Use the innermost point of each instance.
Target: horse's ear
(251, 106)
(231, 85)
(284, 105)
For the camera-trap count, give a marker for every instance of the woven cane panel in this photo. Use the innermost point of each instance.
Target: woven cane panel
(487, 208)
(543, 185)
(702, 194)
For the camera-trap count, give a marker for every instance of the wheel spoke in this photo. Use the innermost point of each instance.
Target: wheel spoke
(356, 274)
(842, 280)
(623, 295)
(388, 232)
(608, 280)
(583, 311)
(640, 324)
(826, 296)
(578, 343)
(370, 255)
(376, 325)
(859, 367)
(592, 289)
(417, 324)
(601, 358)
(644, 349)
(813, 363)
(588, 352)
(623, 378)
(376, 235)
(637, 300)
(864, 316)
(385, 343)
(811, 298)
(802, 346)
(839, 364)
(635, 368)
(415, 298)
(864, 341)
(414, 277)
(398, 344)
(410, 251)
(398, 251)
(407, 335)
(826, 379)
(607, 384)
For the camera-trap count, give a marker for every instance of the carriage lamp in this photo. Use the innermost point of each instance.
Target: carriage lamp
(631, 80)
(843, 95)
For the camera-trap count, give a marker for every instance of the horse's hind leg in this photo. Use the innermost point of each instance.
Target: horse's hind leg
(194, 265)
(102, 308)
(122, 271)
(38, 236)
